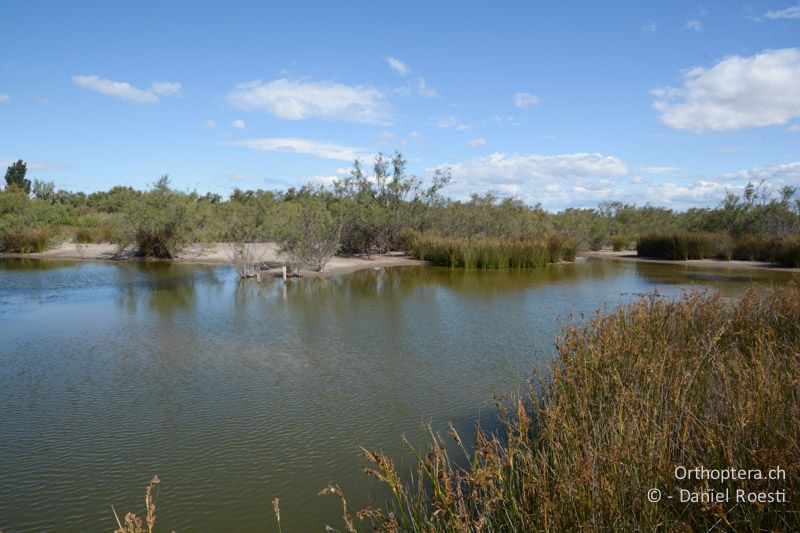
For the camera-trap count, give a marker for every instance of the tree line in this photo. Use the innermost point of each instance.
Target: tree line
(368, 212)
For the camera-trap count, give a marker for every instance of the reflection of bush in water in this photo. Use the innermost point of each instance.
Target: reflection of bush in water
(166, 286)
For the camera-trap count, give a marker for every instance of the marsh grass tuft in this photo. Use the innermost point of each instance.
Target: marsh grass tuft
(490, 252)
(784, 251)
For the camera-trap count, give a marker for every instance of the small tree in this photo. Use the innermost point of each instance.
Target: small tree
(15, 176)
(45, 190)
(311, 233)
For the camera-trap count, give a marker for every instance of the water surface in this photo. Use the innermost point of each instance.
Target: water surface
(235, 393)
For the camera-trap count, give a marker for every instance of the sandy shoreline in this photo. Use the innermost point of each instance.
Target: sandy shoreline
(630, 255)
(218, 254)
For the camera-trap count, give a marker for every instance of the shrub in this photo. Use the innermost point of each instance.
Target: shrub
(619, 243)
(310, 233)
(25, 240)
(159, 223)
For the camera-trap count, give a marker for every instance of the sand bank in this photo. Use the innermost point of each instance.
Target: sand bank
(630, 255)
(219, 253)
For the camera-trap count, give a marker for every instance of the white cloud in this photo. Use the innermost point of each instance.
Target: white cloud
(554, 180)
(738, 92)
(782, 174)
(525, 100)
(450, 121)
(649, 27)
(475, 143)
(788, 13)
(238, 124)
(385, 137)
(657, 170)
(297, 100)
(794, 127)
(397, 66)
(505, 120)
(690, 194)
(425, 91)
(694, 25)
(210, 124)
(166, 88)
(126, 91)
(5, 98)
(323, 149)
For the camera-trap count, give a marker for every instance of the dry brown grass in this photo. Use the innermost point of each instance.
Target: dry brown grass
(655, 385)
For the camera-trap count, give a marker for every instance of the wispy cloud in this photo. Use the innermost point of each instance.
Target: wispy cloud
(694, 25)
(649, 27)
(477, 143)
(397, 66)
(525, 100)
(126, 91)
(783, 173)
(5, 98)
(424, 90)
(298, 100)
(657, 169)
(210, 124)
(238, 124)
(39, 165)
(323, 149)
(450, 121)
(792, 12)
(738, 92)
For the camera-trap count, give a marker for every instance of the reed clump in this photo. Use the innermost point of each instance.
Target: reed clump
(490, 252)
(25, 240)
(699, 245)
(702, 381)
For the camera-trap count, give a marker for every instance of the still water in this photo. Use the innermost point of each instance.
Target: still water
(235, 393)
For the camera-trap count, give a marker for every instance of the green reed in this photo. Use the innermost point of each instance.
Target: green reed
(490, 252)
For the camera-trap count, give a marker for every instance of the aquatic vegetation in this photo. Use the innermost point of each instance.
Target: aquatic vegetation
(132, 522)
(490, 252)
(698, 245)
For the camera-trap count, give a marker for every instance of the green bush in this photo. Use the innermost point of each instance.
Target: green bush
(618, 243)
(159, 222)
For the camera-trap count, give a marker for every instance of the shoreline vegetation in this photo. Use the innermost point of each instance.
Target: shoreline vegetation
(633, 397)
(682, 246)
(372, 213)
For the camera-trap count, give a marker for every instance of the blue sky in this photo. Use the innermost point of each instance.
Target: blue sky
(567, 104)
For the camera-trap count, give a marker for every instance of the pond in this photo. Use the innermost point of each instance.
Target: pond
(237, 392)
